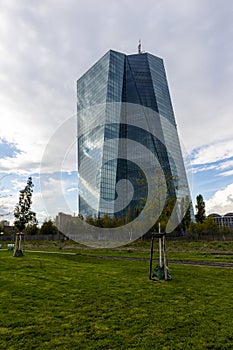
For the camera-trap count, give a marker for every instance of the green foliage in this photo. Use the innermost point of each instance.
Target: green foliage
(200, 209)
(105, 221)
(23, 214)
(48, 228)
(32, 229)
(208, 226)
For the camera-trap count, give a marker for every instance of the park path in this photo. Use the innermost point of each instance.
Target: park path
(180, 262)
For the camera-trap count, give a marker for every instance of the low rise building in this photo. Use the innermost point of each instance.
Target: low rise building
(223, 220)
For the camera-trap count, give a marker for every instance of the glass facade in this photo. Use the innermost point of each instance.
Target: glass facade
(103, 94)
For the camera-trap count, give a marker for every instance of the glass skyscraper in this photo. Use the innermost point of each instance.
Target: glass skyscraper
(117, 86)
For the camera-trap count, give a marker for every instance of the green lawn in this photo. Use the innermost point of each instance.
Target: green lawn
(51, 301)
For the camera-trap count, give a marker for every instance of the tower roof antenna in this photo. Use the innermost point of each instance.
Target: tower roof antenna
(139, 46)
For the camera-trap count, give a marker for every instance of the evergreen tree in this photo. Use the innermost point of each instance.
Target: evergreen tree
(23, 214)
(200, 209)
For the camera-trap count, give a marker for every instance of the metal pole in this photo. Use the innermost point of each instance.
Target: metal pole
(151, 255)
(20, 238)
(164, 258)
(160, 248)
(16, 243)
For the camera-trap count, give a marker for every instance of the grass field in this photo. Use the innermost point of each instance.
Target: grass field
(177, 250)
(51, 301)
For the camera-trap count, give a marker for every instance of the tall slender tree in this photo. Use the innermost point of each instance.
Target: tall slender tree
(200, 209)
(23, 214)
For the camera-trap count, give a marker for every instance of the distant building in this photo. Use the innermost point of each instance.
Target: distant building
(62, 219)
(4, 223)
(6, 228)
(9, 229)
(223, 220)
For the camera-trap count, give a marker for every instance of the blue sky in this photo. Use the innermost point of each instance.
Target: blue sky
(46, 46)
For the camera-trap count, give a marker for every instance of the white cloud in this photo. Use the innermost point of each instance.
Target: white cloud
(62, 39)
(55, 194)
(226, 173)
(73, 189)
(202, 168)
(214, 152)
(226, 165)
(221, 202)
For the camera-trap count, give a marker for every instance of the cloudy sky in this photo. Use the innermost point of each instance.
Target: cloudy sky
(45, 46)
